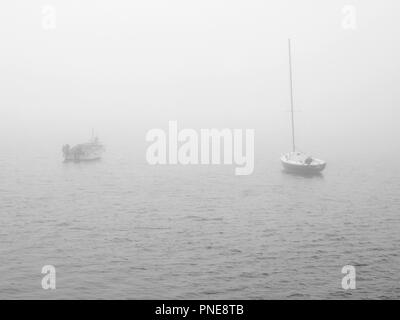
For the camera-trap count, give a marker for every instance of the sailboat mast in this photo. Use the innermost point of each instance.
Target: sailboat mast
(291, 94)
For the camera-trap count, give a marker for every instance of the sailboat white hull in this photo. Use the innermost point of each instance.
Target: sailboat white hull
(297, 162)
(303, 169)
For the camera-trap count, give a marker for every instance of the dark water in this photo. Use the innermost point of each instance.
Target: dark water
(119, 228)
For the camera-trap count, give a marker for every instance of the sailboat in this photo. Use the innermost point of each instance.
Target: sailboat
(296, 161)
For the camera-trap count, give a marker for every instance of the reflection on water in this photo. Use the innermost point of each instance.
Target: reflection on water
(303, 174)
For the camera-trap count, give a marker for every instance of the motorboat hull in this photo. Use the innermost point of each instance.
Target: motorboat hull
(79, 159)
(83, 152)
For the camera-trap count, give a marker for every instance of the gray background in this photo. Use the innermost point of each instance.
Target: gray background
(120, 228)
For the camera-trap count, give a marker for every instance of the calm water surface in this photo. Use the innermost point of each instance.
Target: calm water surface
(119, 228)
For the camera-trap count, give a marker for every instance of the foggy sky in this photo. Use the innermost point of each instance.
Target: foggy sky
(124, 67)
